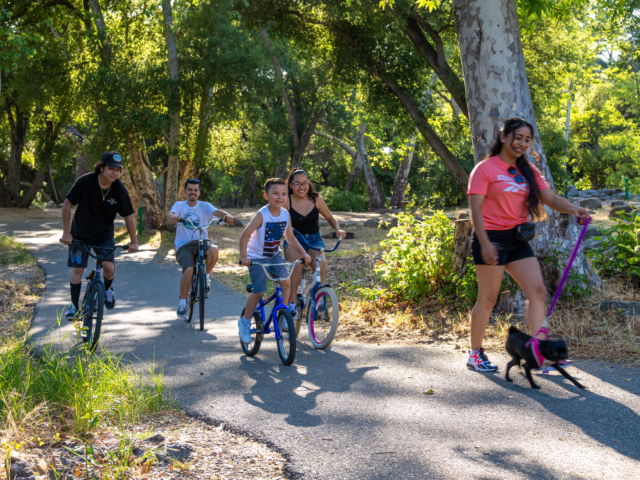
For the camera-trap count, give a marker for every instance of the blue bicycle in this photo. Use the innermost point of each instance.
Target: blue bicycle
(283, 324)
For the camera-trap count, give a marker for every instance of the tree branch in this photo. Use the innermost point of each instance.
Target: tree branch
(312, 127)
(338, 142)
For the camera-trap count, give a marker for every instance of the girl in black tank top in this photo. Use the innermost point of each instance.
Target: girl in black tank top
(305, 224)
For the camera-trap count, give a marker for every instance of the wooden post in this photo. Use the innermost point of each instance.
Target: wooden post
(461, 245)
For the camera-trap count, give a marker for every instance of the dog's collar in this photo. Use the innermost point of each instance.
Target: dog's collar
(534, 344)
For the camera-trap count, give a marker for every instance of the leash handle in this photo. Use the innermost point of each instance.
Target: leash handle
(565, 275)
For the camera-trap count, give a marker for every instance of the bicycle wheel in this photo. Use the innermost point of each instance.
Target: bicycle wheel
(202, 292)
(92, 322)
(191, 296)
(323, 319)
(257, 334)
(287, 340)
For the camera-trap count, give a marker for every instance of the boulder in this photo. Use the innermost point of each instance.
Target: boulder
(618, 190)
(607, 191)
(625, 308)
(618, 203)
(573, 191)
(591, 244)
(237, 223)
(590, 203)
(381, 223)
(463, 215)
(616, 211)
(587, 193)
(592, 231)
(50, 204)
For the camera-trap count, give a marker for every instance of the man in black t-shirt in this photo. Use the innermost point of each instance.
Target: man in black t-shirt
(99, 196)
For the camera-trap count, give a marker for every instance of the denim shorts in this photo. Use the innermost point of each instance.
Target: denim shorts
(509, 247)
(79, 257)
(259, 279)
(313, 240)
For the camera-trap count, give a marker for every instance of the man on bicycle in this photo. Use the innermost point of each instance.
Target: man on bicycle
(99, 196)
(199, 213)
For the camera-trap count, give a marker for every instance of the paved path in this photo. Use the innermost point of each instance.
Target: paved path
(357, 411)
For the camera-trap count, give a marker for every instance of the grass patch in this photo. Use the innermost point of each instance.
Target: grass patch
(13, 252)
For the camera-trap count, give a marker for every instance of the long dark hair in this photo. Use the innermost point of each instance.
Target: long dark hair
(522, 164)
(312, 194)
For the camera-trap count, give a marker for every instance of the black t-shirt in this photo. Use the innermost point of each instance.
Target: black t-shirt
(93, 221)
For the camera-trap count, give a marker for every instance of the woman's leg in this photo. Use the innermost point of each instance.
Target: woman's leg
(291, 255)
(489, 282)
(323, 266)
(528, 274)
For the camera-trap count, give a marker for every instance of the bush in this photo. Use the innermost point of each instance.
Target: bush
(418, 261)
(620, 250)
(341, 201)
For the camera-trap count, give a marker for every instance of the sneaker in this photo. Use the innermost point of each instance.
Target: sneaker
(321, 307)
(110, 299)
(293, 308)
(72, 313)
(208, 288)
(244, 327)
(182, 310)
(480, 363)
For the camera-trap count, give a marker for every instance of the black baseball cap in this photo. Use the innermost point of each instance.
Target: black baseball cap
(112, 159)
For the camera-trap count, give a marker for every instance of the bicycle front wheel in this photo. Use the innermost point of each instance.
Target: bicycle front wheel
(92, 323)
(287, 340)
(191, 299)
(202, 292)
(257, 334)
(323, 319)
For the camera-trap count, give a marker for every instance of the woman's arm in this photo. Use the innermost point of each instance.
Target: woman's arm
(333, 221)
(562, 205)
(489, 251)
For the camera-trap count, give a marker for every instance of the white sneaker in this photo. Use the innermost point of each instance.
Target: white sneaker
(293, 308)
(480, 363)
(244, 327)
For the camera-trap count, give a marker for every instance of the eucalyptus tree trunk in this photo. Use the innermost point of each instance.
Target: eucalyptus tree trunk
(402, 176)
(19, 126)
(125, 178)
(36, 186)
(171, 186)
(82, 159)
(146, 190)
(497, 88)
(281, 169)
(376, 194)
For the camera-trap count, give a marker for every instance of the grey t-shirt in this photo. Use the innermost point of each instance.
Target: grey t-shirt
(200, 214)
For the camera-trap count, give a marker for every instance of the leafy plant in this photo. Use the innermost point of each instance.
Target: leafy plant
(341, 201)
(577, 286)
(620, 250)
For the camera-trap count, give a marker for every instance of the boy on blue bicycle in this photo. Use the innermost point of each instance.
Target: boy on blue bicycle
(260, 243)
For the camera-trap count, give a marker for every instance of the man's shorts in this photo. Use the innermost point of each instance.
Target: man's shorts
(259, 279)
(509, 247)
(79, 257)
(186, 255)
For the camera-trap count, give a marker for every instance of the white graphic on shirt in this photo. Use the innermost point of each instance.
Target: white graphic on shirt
(513, 185)
(193, 218)
(111, 201)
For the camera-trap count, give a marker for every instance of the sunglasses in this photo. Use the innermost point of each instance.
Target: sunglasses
(192, 180)
(518, 178)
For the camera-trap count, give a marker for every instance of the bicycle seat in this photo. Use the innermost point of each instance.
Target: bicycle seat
(250, 288)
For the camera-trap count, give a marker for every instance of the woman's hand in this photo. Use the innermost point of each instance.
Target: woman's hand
(341, 234)
(490, 254)
(581, 215)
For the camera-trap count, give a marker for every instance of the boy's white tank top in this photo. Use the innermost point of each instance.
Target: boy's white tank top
(265, 241)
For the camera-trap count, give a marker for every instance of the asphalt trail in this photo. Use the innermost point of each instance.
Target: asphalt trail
(356, 411)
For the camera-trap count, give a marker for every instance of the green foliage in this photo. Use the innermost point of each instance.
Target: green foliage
(577, 286)
(341, 201)
(417, 261)
(224, 189)
(620, 250)
(13, 252)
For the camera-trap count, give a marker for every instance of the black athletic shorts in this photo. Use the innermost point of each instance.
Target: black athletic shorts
(79, 257)
(509, 247)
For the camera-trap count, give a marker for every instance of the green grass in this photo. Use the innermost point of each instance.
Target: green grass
(13, 252)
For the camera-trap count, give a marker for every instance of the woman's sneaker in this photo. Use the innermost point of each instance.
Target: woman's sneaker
(479, 362)
(293, 308)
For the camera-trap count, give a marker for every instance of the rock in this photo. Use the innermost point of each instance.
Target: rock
(588, 192)
(590, 203)
(237, 223)
(60, 205)
(463, 216)
(50, 204)
(618, 203)
(593, 231)
(381, 223)
(618, 190)
(157, 438)
(573, 191)
(615, 211)
(382, 211)
(591, 244)
(627, 308)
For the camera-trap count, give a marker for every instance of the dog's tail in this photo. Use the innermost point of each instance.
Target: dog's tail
(513, 329)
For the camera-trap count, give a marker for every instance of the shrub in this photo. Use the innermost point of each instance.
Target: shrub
(418, 261)
(620, 250)
(341, 201)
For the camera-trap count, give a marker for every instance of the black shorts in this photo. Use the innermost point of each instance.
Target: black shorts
(509, 247)
(79, 257)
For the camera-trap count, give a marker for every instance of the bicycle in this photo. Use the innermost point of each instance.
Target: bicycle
(91, 309)
(322, 321)
(280, 315)
(198, 290)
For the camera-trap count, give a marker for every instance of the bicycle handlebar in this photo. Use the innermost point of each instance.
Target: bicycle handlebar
(203, 227)
(309, 247)
(264, 268)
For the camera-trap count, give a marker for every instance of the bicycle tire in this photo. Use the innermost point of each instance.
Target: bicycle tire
(202, 292)
(257, 336)
(190, 300)
(287, 341)
(93, 319)
(323, 326)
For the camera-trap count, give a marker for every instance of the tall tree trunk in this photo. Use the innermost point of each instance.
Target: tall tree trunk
(82, 159)
(36, 186)
(497, 88)
(125, 178)
(19, 125)
(251, 184)
(358, 163)
(356, 171)
(171, 187)
(296, 160)
(54, 191)
(146, 190)
(376, 194)
(101, 27)
(402, 177)
(281, 169)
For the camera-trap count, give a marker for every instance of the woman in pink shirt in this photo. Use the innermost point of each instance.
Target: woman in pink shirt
(506, 191)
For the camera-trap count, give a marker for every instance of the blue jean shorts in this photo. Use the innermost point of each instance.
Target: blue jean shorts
(259, 279)
(313, 240)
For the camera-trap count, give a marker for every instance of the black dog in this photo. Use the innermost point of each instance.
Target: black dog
(519, 347)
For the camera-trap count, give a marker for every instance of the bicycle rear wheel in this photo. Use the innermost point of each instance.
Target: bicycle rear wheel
(92, 322)
(191, 297)
(202, 292)
(257, 334)
(287, 340)
(323, 319)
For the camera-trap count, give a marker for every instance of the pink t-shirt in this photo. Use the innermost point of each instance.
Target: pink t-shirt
(505, 200)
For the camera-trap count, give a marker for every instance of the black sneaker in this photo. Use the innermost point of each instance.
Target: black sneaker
(480, 363)
(110, 299)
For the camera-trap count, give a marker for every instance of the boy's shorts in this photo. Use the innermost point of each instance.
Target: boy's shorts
(79, 257)
(187, 253)
(259, 279)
